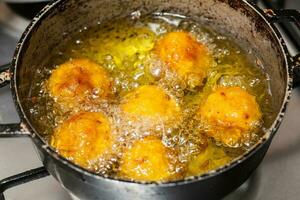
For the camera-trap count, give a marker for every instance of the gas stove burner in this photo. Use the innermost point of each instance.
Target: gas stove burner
(276, 4)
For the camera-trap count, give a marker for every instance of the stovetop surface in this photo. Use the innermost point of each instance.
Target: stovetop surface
(277, 178)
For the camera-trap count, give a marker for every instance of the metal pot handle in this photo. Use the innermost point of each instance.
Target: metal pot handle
(13, 130)
(21, 178)
(293, 16)
(4, 75)
(10, 130)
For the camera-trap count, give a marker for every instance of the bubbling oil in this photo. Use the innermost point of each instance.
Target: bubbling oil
(124, 48)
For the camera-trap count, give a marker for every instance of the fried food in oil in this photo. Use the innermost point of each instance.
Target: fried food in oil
(230, 114)
(184, 55)
(211, 158)
(83, 138)
(123, 44)
(78, 81)
(151, 102)
(146, 160)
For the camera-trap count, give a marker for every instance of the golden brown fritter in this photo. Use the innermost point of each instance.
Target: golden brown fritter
(186, 56)
(146, 160)
(230, 114)
(150, 102)
(83, 138)
(77, 81)
(209, 159)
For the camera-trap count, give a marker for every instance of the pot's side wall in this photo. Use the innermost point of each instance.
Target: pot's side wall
(84, 188)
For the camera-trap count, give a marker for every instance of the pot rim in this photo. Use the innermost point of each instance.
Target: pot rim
(68, 164)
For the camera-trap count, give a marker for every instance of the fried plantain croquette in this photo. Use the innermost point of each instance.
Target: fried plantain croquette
(187, 57)
(150, 102)
(146, 160)
(230, 114)
(83, 138)
(77, 81)
(209, 159)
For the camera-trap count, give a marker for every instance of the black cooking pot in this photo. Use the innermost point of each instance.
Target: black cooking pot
(246, 23)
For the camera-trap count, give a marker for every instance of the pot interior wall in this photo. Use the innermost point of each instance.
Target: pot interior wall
(232, 17)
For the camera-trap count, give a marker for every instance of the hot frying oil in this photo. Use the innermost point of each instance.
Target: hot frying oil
(125, 49)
